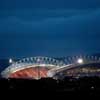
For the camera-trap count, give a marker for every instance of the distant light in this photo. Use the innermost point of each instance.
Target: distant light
(92, 87)
(10, 60)
(80, 61)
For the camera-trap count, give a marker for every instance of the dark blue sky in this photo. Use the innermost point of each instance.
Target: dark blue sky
(49, 27)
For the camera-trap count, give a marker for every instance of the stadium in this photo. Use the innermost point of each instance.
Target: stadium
(44, 67)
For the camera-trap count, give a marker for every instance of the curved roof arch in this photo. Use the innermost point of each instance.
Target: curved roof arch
(54, 71)
(31, 62)
(57, 65)
(41, 60)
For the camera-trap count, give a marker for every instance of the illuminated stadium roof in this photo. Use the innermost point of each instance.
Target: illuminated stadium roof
(31, 62)
(38, 67)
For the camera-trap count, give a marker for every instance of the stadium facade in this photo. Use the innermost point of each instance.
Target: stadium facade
(43, 67)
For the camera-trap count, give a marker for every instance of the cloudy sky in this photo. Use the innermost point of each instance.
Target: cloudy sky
(49, 27)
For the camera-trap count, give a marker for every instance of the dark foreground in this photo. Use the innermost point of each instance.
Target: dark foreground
(88, 86)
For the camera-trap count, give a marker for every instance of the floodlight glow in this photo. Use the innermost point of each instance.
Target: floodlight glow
(80, 61)
(10, 60)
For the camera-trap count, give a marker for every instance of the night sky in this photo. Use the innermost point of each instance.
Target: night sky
(49, 27)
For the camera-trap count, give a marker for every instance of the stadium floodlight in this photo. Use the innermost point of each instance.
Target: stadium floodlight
(10, 60)
(80, 61)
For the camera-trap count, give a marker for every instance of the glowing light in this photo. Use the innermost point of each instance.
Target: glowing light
(10, 60)
(80, 61)
(92, 87)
